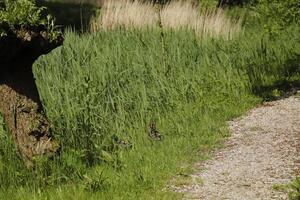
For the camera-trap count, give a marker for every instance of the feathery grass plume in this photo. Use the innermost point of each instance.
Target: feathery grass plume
(125, 13)
(179, 14)
(174, 15)
(182, 14)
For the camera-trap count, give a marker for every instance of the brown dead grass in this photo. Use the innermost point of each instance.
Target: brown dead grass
(125, 13)
(214, 23)
(175, 15)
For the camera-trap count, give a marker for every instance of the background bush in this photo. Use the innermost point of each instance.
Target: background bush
(276, 15)
(15, 14)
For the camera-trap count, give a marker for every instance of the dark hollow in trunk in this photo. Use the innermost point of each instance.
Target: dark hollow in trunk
(19, 97)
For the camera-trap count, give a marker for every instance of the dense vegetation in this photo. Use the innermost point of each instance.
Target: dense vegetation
(101, 91)
(16, 14)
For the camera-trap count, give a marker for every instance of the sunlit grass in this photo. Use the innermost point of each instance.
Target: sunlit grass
(115, 83)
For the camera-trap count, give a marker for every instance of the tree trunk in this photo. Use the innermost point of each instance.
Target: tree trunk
(19, 97)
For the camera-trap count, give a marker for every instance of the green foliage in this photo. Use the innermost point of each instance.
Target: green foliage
(295, 189)
(208, 4)
(277, 14)
(11, 167)
(24, 13)
(21, 12)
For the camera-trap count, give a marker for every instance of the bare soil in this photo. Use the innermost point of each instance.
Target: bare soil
(19, 98)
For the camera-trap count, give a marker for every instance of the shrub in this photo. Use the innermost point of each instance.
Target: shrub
(23, 13)
(275, 15)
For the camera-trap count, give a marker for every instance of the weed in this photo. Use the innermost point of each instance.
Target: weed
(294, 194)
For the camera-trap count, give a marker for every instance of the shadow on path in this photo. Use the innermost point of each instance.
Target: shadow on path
(287, 86)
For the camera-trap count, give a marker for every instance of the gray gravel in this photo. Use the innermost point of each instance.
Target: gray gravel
(262, 151)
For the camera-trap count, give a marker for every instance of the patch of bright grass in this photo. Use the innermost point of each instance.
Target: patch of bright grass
(294, 193)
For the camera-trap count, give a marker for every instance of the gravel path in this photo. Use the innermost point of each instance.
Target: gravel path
(262, 151)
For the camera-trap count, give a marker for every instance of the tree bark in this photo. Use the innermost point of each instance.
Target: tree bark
(19, 98)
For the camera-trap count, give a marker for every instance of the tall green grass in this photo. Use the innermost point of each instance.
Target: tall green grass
(108, 84)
